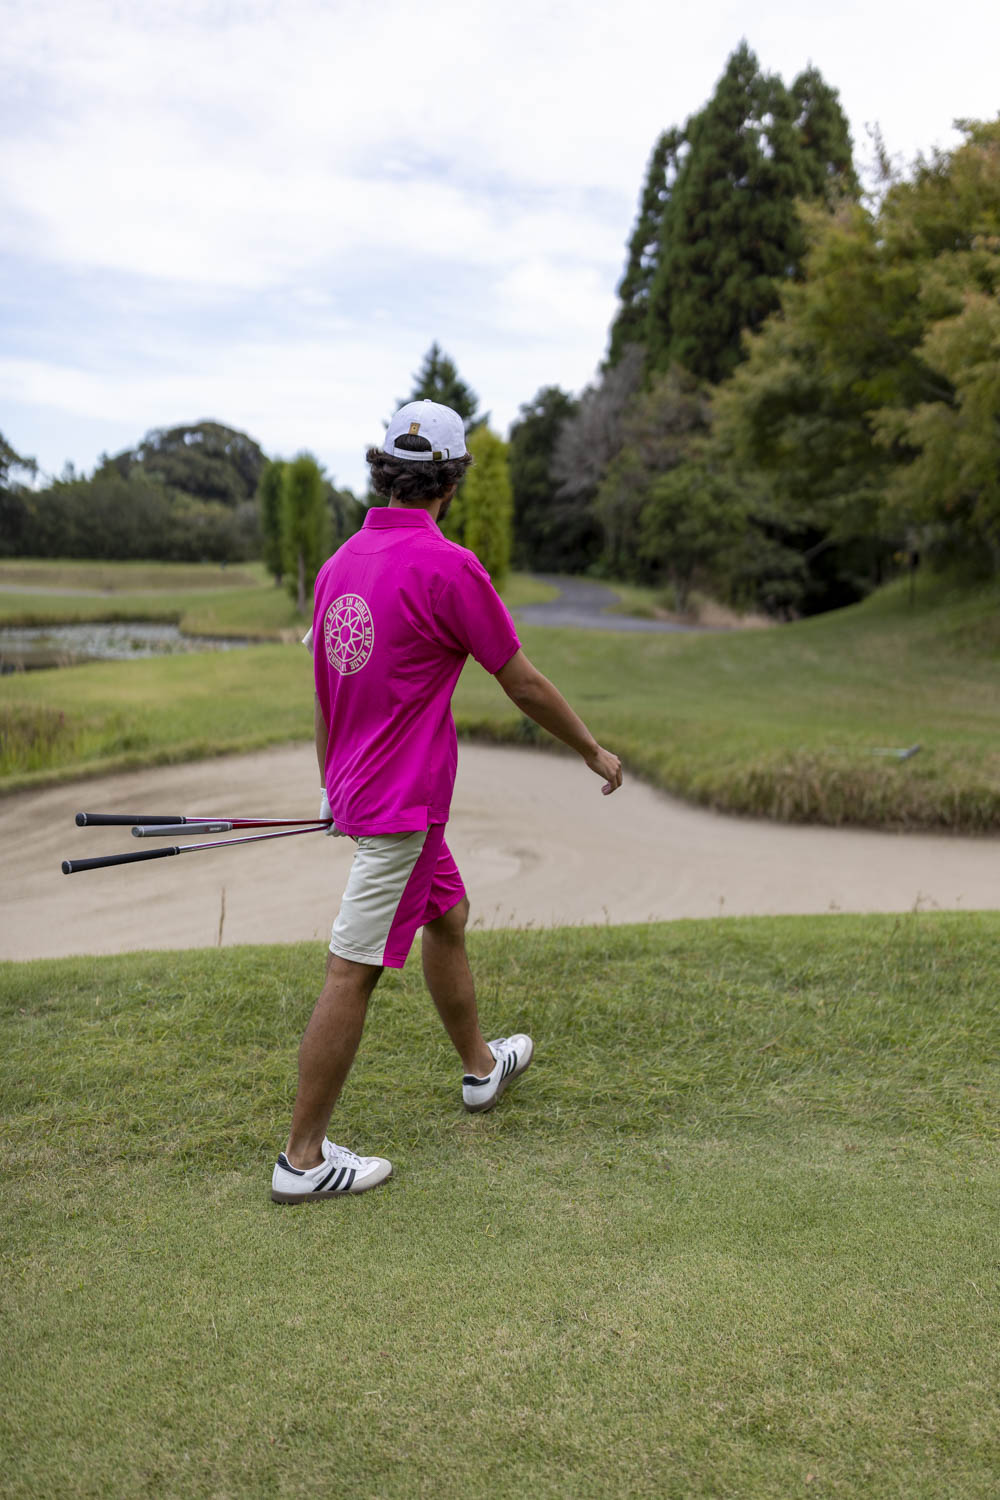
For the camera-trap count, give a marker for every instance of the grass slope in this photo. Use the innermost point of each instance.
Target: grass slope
(783, 723)
(734, 1234)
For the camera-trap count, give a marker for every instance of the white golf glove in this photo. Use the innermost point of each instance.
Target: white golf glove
(325, 812)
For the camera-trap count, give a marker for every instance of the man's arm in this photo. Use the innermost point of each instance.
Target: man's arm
(322, 738)
(540, 700)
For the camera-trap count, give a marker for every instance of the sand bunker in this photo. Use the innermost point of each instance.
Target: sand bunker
(537, 843)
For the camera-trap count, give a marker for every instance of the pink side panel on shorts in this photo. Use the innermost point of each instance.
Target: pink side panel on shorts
(434, 887)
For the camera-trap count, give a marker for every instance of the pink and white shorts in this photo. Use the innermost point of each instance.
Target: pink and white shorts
(398, 882)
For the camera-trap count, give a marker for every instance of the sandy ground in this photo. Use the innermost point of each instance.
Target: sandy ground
(537, 843)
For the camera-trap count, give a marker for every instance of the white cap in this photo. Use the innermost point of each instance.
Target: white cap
(442, 427)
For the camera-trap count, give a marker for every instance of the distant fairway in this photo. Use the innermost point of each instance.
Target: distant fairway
(733, 1234)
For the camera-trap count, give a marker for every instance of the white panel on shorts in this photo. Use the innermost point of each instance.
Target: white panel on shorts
(383, 863)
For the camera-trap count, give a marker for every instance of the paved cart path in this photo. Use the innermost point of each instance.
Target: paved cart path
(536, 841)
(582, 604)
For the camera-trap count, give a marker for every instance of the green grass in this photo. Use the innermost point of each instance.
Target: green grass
(782, 723)
(203, 599)
(733, 1235)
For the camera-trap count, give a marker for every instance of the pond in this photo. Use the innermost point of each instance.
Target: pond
(28, 649)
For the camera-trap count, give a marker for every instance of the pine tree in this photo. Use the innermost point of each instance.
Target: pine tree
(725, 191)
(438, 380)
(629, 326)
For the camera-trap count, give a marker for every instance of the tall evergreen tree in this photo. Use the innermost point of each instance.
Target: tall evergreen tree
(629, 326)
(438, 380)
(724, 192)
(484, 504)
(305, 526)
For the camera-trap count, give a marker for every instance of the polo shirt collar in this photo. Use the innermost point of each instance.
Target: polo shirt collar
(389, 517)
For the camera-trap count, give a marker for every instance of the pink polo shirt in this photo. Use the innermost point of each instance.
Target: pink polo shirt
(398, 609)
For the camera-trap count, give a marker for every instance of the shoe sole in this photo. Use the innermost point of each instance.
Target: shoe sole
(352, 1192)
(480, 1109)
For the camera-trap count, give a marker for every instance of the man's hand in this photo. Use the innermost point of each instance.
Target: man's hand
(603, 763)
(325, 812)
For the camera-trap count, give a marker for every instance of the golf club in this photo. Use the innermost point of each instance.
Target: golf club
(75, 866)
(128, 820)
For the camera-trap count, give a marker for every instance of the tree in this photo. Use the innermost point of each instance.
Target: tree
(438, 380)
(269, 499)
(630, 322)
(305, 524)
(658, 430)
(206, 459)
(550, 534)
(946, 478)
(864, 413)
(481, 513)
(591, 437)
(730, 231)
(13, 502)
(346, 513)
(691, 521)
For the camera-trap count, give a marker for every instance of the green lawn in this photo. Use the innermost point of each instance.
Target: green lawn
(784, 723)
(734, 1234)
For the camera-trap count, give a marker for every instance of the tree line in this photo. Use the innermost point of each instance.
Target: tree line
(207, 492)
(802, 384)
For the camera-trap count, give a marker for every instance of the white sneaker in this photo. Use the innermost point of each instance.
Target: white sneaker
(513, 1054)
(340, 1172)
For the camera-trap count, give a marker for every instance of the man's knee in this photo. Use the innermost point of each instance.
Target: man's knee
(362, 977)
(451, 924)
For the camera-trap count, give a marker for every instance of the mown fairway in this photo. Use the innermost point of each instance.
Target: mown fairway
(735, 1233)
(784, 723)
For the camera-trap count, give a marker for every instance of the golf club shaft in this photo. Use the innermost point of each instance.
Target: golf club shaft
(166, 830)
(76, 866)
(176, 820)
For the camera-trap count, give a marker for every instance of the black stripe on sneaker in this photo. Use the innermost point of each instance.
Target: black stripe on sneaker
(346, 1187)
(322, 1184)
(286, 1164)
(510, 1064)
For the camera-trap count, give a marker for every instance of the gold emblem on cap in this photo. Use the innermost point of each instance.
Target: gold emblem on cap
(414, 428)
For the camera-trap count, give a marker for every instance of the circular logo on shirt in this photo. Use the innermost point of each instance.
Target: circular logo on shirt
(348, 634)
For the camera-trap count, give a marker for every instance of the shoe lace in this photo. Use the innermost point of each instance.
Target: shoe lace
(341, 1157)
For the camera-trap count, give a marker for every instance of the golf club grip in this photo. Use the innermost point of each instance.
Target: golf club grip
(122, 820)
(74, 866)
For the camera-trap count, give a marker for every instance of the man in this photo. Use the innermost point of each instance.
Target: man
(398, 610)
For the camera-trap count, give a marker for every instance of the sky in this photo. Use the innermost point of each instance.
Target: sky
(264, 213)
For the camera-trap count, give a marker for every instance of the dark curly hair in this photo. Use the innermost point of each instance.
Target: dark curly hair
(414, 481)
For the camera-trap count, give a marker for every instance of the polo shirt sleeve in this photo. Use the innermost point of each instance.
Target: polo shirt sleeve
(471, 613)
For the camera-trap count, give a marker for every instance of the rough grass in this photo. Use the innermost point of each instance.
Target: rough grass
(734, 1234)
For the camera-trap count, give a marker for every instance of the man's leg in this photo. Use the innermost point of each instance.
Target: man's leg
(449, 979)
(326, 1054)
